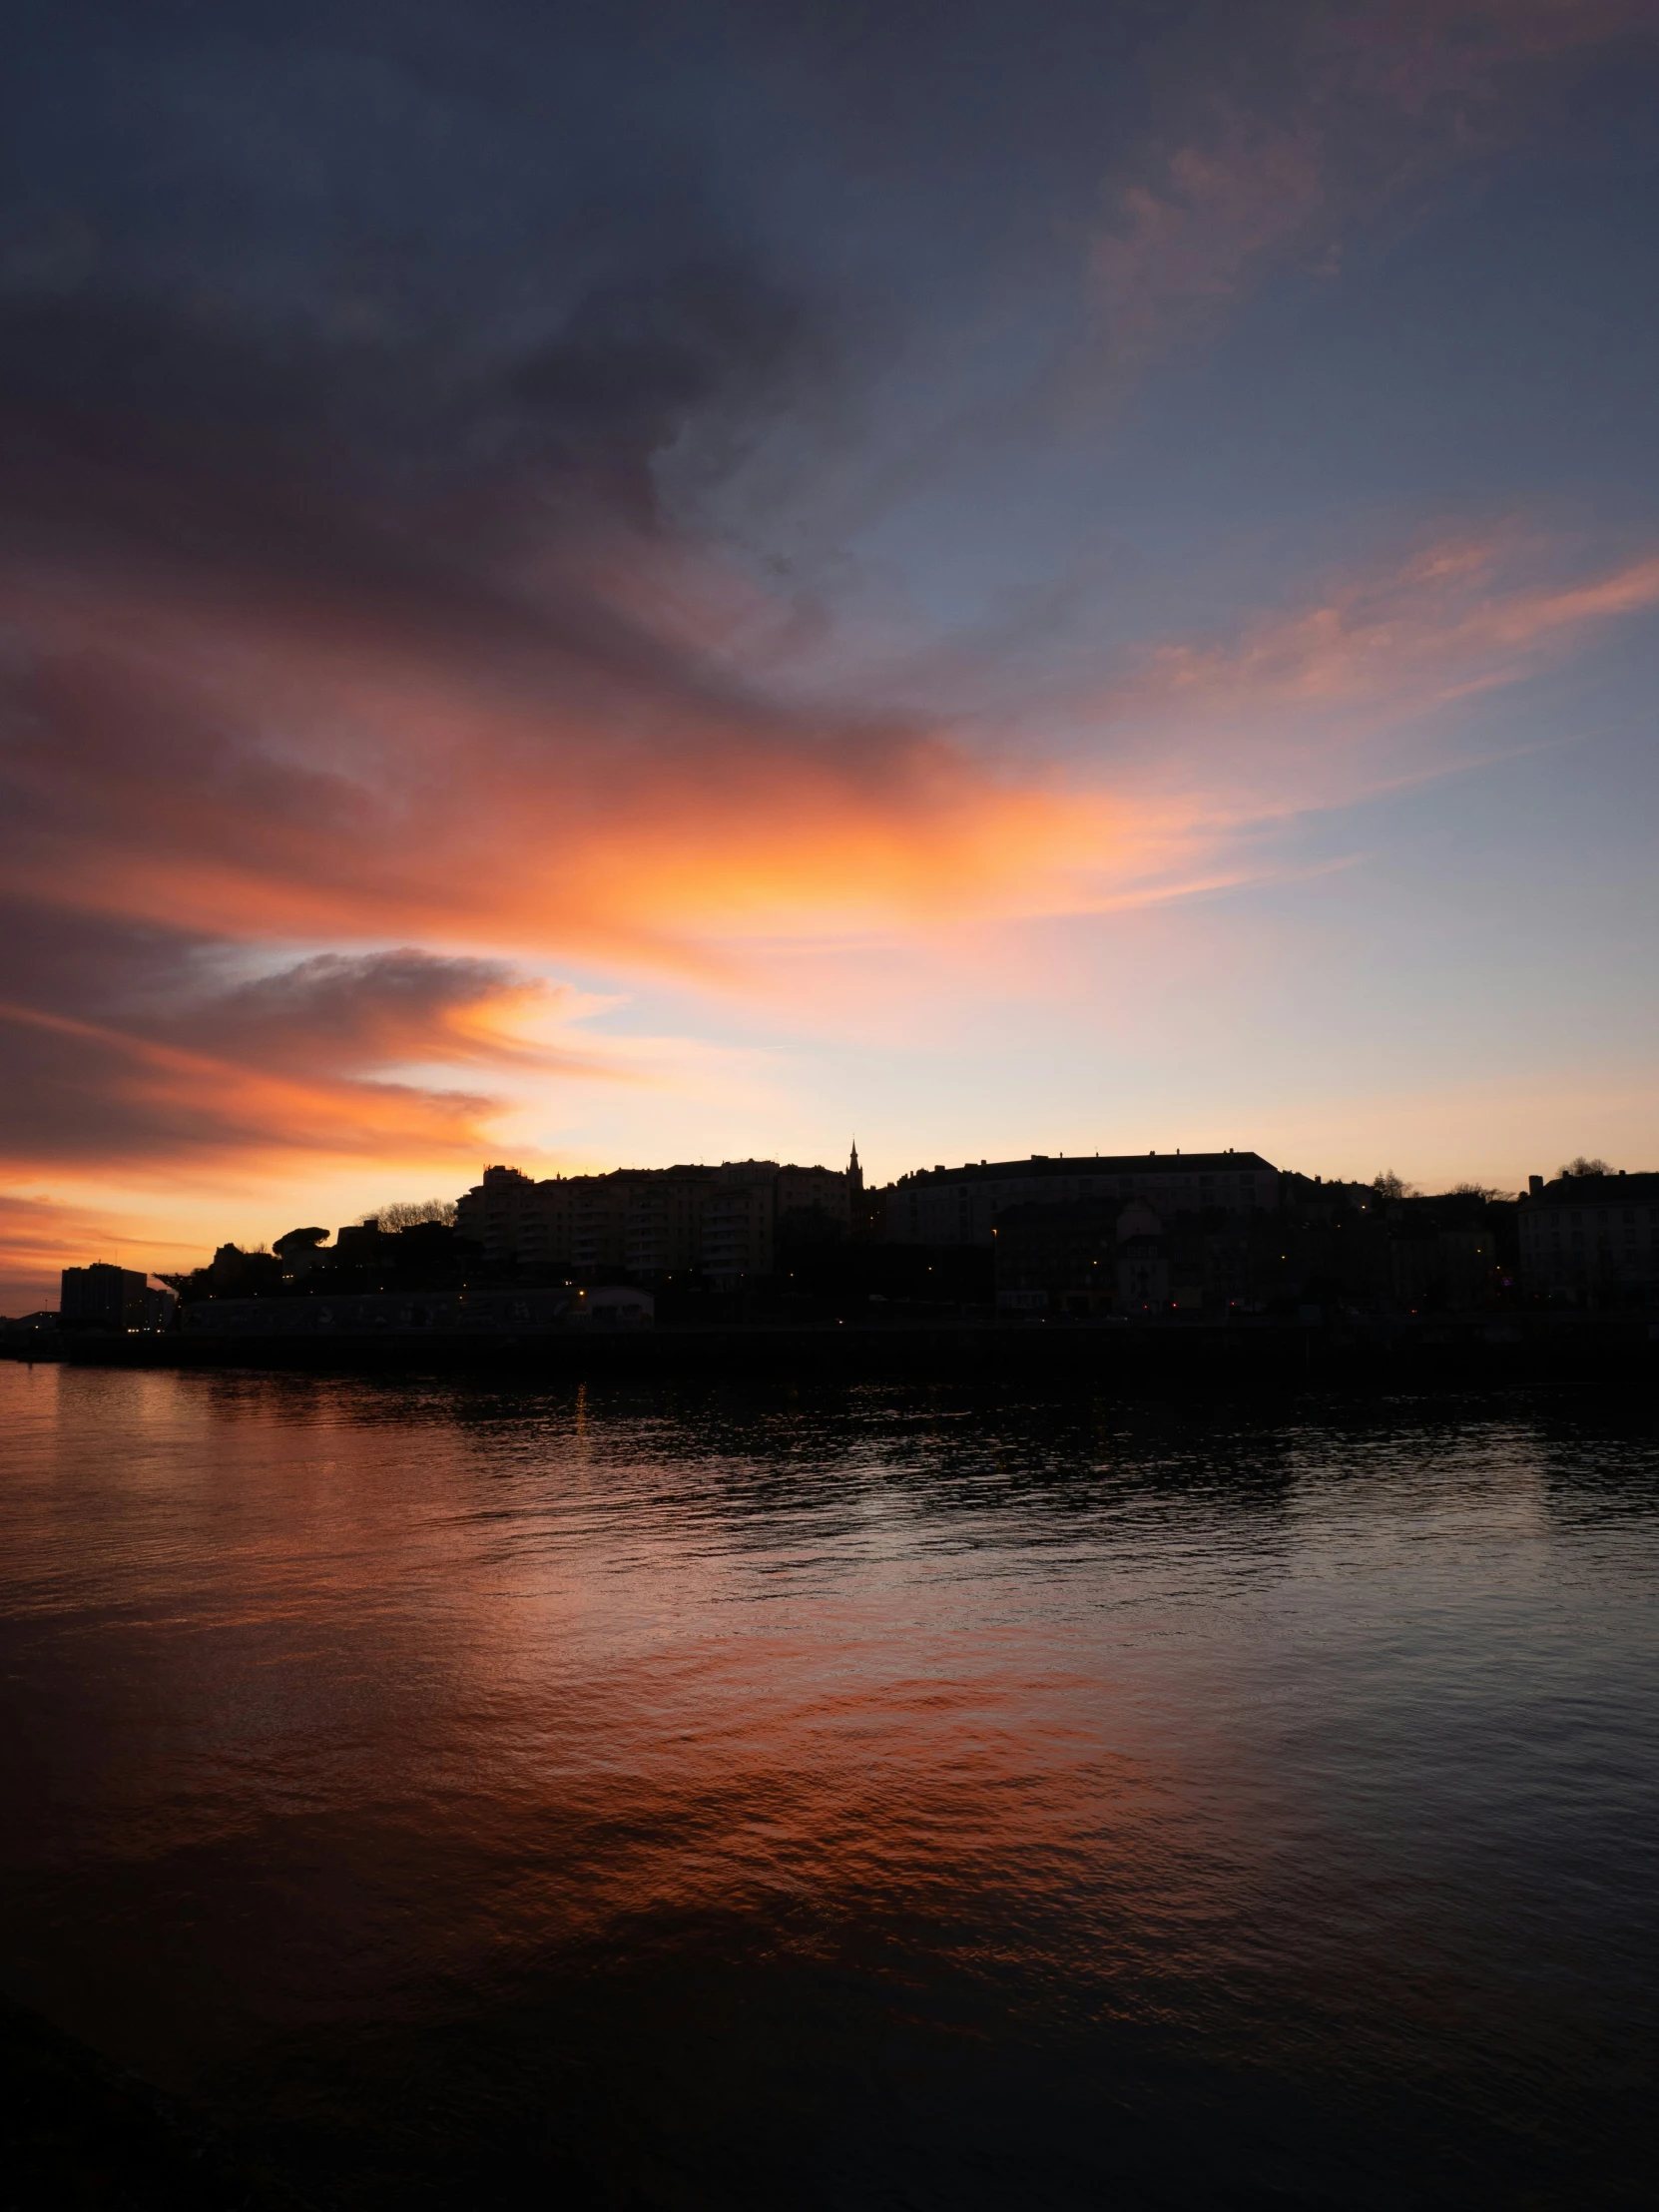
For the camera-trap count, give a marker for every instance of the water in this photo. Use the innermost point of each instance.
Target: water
(857, 1800)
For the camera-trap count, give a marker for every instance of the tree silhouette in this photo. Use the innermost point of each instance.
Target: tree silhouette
(410, 1212)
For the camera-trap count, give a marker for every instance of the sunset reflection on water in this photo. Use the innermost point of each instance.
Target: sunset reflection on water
(862, 1798)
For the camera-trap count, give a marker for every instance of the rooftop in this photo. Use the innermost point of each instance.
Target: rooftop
(1597, 1190)
(1098, 1163)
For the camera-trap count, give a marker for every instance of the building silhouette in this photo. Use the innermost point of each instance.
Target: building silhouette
(960, 1205)
(727, 1222)
(102, 1295)
(1588, 1238)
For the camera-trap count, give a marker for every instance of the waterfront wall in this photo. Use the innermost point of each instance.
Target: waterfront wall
(1617, 1349)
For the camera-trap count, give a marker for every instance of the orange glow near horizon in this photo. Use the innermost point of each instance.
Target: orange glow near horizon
(279, 781)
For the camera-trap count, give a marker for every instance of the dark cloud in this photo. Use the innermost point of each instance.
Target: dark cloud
(389, 318)
(349, 1014)
(135, 1045)
(134, 427)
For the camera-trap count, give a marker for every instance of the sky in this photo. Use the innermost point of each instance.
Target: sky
(595, 586)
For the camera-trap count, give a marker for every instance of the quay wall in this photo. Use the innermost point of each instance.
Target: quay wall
(1620, 1349)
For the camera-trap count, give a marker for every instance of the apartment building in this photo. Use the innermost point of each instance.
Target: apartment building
(652, 1221)
(1588, 1237)
(103, 1296)
(513, 1217)
(663, 1214)
(740, 1223)
(823, 1192)
(951, 1206)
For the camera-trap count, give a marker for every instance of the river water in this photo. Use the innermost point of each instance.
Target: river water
(856, 1799)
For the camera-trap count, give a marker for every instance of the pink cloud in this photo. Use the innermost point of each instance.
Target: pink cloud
(1448, 621)
(1369, 103)
(1323, 704)
(1185, 244)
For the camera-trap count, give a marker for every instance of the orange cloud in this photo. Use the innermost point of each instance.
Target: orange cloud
(177, 1066)
(215, 1101)
(262, 696)
(262, 773)
(288, 774)
(39, 1237)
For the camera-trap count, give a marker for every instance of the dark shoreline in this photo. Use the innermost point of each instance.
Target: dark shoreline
(1617, 1349)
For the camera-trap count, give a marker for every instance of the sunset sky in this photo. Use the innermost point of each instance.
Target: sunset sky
(595, 586)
